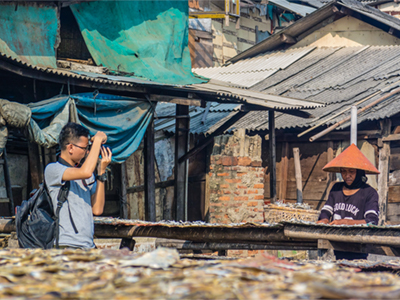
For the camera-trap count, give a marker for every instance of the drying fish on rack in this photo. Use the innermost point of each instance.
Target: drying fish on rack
(162, 274)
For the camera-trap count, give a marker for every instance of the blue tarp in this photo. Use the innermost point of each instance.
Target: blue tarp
(29, 32)
(123, 119)
(147, 39)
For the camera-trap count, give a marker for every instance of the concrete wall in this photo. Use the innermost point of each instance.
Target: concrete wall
(229, 41)
(236, 180)
(348, 32)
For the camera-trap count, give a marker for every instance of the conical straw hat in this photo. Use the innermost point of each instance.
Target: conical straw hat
(352, 158)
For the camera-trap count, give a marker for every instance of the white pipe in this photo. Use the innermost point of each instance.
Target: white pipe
(353, 134)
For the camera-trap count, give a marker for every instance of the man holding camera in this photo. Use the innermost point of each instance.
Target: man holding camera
(86, 195)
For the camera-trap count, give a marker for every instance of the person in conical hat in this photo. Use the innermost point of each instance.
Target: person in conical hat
(352, 201)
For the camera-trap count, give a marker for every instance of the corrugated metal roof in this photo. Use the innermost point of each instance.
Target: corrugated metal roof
(273, 42)
(221, 92)
(249, 72)
(299, 9)
(339, 77)
(216, 113)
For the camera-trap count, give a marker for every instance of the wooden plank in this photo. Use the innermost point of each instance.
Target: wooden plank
(383, 177)
(181, 147)
(272, 155)
(149, 174)
(391, 137)
(183, 101)
(299, 183)
(35, 166)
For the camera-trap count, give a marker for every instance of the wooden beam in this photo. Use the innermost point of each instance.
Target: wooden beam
(176, 100)
(285, 38)
(391, 137)
(272, 155)
(284, 171)
(383, 177)
(299, 181)
(124, 198)
(228, 123)
(182, 128)
(149, 174)
(359, 248)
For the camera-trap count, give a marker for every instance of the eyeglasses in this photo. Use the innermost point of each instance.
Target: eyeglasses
(83, 148)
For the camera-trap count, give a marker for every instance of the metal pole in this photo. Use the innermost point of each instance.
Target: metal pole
(353, 126)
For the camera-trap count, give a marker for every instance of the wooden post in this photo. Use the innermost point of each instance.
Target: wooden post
(35, 165)
(284, 170)
(181, 148)
(272, 155)
(297, 168)
(124, 198)
(149, 174)
(330, 177)
(383, 177)
(8, 183)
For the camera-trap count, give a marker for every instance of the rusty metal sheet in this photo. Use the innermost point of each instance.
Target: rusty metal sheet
(30, 32)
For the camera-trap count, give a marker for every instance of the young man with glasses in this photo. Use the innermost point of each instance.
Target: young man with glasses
(86, 195)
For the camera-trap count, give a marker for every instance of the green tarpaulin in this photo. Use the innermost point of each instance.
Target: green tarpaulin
(29, 32)
(147, 39)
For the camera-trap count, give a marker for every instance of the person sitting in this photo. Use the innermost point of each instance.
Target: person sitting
(86, 195)
(352, 201)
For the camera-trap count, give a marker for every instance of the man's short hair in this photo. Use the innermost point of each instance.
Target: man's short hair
(70, 133)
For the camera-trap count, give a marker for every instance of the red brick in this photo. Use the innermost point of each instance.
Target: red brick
(242, 187)
(259, 186)
(240, 174)
(233, 180)
(217, 217)
(224, 198)
(211, 167)
(223, 174)
(236, 193)
(229, 160)
(256, 163)
(215, 204)
(218, 161)
(252, 192)
(226, 217)
(252, 203)
(227, 192)
(224, 186)
(244, 161)
(259, 197)
(212, 210)
(241, 198)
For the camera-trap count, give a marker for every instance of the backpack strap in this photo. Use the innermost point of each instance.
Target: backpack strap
(63, 197)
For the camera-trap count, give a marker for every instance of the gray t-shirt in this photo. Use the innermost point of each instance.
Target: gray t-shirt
(79, 202)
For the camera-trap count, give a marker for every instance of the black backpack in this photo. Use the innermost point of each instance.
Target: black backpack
(36, 224)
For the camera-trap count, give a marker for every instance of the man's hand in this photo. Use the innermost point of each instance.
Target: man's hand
(323, 221)
(101, 136)
(105, 159)
(347, 222)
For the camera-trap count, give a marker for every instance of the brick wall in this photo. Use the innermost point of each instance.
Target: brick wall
(236, 180)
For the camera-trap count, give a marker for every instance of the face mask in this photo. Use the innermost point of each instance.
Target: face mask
(358, 181)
